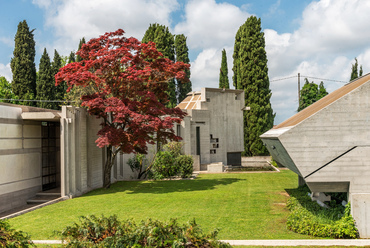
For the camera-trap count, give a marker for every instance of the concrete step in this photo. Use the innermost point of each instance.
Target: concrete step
(43, 197)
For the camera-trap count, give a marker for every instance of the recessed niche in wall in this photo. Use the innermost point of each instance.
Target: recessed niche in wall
(213, 151)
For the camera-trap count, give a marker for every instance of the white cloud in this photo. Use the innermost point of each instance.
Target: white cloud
(209, 24)
(6, 72)
(71, 20)
(331, 34)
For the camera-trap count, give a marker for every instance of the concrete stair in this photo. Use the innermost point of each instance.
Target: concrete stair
(43, 197)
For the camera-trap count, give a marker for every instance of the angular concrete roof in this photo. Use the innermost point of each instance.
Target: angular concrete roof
(323, 102)
(190, 102)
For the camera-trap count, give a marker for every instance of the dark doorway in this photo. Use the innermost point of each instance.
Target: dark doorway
(50, 149)
(198, 140)
(234, 158)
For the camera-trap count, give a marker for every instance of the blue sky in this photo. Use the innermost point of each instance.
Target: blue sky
(316, 38)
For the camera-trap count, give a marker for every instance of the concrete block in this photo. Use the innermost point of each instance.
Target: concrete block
(215, 167)
(10, 130)
(360, 207)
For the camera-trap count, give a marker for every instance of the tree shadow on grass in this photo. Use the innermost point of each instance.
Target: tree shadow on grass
(163, 187)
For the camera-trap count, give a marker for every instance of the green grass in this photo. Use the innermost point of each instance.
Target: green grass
(241, 205)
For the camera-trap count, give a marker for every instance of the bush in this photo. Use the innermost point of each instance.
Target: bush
(12, 238)
(109, 232)
(137, 164)
(164, 165)
(170, 163)
(185, 164)
(307, 217)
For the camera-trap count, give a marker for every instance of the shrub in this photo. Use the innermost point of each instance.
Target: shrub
(185, 164)
(137, 164)
(12, 238)
(175, 148)
(307, 217)
(109, 232)
(164, 165)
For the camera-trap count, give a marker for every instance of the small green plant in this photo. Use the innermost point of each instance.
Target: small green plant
(12, 238)
(137, 165)
(109, 232)
(307, 217)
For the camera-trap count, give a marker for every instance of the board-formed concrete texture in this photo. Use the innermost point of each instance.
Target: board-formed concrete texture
(213, 129)
(328, 144)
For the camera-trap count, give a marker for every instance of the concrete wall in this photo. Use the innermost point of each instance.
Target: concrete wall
(331, 150)
(20, 158)
(219, 115)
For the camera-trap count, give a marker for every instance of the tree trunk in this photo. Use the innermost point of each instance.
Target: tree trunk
(108, 166)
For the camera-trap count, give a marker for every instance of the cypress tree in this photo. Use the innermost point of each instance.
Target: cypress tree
(164, 42)
(71, 58)
(23, 64)
(224, 79)
(82, 41)
(182, 54)
(61, 88)
(45, 83)
(354, 72)
(251, 74)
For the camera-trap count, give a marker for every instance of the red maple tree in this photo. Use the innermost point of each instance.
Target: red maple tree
(130, 79)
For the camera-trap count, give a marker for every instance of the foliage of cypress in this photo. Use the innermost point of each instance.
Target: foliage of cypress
(60, 90)
(71, 58)
(182, 54)
(224, 79)
(164, 42)
(45, 86)
(311, 93)
(355, 73)
(251, 74)
(82, 41)
(23, 64)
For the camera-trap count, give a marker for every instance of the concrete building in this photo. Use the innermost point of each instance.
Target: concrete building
(213, 130)
(43, 149)
(328, 144)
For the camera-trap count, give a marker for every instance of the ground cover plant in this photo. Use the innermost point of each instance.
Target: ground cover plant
(240, 205)
(92, 231)
(11, 238)
(307, 217)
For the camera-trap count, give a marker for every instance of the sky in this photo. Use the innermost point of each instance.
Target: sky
(318, 39)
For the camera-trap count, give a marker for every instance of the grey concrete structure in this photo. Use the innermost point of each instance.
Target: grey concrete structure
(24, 144)
(328, 144)
(213, 130)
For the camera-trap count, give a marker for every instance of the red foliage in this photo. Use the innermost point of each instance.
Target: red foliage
(130, 78)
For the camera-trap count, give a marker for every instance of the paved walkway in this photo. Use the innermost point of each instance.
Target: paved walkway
(290, 242)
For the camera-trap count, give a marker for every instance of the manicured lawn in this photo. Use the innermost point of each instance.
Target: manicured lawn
(241, 205)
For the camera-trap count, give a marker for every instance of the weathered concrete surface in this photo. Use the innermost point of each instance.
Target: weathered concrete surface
(328, 144)
(215, 167)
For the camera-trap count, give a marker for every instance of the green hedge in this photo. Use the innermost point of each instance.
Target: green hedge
(110, 232)
(307, 217)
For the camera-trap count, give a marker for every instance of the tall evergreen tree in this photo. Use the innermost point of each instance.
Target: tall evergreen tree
(71, 57)
(311, 93)
(82, 41)
(354, 72)
(23, 64)
(164, 42)
(182, 54)
(45, 86)
(60, 90)
(251, 74)
(224, 78)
